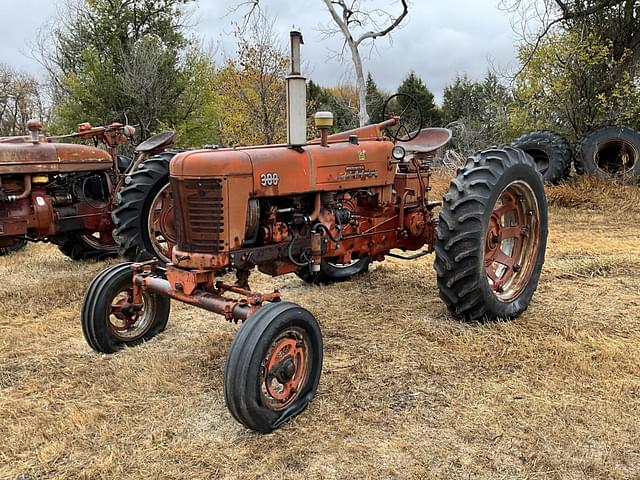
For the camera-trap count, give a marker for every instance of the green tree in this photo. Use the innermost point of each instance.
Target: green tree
(580, 68)
(478, 112)
(124, 60)
(461, 99)
(375, 101)
(413, 86)
(566, 85)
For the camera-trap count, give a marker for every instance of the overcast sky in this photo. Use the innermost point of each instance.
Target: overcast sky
(439, 39)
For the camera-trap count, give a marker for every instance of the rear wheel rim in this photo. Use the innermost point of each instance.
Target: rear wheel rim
(100, 241)
(160, 224)
(512, 241)
(344, 265)
(285, 369)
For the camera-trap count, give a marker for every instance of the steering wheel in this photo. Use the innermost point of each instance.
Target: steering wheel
(411, 119)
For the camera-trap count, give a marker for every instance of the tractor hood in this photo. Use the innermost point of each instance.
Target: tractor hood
(18, 156)
(280, 170)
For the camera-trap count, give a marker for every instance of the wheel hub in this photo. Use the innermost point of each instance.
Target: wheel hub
(285, 369)
(127, 319)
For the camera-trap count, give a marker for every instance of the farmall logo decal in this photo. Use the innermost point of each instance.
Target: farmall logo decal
(354, 172)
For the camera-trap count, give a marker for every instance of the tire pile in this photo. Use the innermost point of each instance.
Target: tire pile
(611, 152)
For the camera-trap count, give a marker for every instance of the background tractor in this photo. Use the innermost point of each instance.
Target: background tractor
(324, 208)
(65, 192)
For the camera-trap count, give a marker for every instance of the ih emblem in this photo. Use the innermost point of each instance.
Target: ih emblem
(362, 155)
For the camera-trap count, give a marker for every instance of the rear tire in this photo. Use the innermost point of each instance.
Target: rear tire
(609, 152)
(83, 246)
(492, 235)
(108, 322)
(135, 206)
(550, 151)
(19, 244)
(335, 272)
(273, 367)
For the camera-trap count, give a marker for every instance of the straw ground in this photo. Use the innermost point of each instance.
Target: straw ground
(406, 392)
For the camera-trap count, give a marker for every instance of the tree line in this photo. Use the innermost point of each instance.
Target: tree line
(137, 61)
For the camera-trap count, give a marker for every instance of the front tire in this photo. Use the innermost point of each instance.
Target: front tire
(110, 321)
(274, 366)
(143, 219)
(492, 236)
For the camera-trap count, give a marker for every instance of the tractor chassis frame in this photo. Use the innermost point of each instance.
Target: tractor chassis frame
(198, 288)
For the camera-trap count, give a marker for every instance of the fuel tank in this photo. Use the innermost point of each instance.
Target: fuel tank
(20, 157)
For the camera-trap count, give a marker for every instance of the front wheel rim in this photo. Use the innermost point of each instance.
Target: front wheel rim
(127, 320)
(512, 241)
(285, 369)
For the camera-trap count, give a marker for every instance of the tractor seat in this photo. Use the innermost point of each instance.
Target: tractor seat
(428, 140)
(159, 141)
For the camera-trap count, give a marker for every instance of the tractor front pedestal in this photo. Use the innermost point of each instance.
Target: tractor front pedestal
(274, 364)
(197, 287)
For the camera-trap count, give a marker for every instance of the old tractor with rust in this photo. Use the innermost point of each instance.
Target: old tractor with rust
(323, 208)
(52, 189)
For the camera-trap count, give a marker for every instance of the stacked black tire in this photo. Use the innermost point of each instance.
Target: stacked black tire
(551, 152)
(609, 152)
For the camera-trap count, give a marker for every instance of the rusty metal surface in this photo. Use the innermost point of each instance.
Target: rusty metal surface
(197, 287)
(26, 157)
(428, 140)
(28, 208)
(341, 165)
(157, 143)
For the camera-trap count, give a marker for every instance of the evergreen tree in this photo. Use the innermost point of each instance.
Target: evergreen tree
(128, 60)
(375, 101)
(415, 87)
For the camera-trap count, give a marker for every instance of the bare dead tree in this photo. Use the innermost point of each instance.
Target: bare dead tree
(21, 98)
(359, 26)
(375, 23)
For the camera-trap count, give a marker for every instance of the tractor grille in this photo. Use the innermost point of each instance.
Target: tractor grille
(199, 208)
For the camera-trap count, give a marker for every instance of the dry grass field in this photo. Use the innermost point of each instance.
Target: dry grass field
(406, 392)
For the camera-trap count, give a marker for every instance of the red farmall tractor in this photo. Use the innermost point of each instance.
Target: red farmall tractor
(65, 192)
(324, 208)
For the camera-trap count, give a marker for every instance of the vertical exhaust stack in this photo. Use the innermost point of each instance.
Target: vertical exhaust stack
(296, 97)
